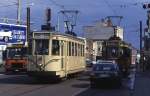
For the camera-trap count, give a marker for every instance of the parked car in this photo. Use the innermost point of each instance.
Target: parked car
(102, 72)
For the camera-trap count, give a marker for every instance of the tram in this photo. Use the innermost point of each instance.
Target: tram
(119, 51)
(55, 55)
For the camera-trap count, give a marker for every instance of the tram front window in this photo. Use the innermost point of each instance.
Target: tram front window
(55, 47)
(41, 47)
(113, 52)
(127, 52)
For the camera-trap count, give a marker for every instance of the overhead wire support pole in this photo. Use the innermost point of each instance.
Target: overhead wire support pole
(141, 53)
(145, 53)
(18, 11)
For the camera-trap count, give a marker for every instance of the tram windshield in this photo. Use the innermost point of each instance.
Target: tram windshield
(126, 52)
(41, 47)
(16, 52)
(112, 51)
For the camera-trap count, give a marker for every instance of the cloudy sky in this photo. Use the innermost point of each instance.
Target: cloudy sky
(89, 11)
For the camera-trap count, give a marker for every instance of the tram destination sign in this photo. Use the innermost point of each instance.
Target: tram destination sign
(41, 35)
(12, 33)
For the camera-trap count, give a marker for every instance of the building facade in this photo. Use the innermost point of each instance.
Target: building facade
(96, 34)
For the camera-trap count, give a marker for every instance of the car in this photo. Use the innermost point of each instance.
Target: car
(89, 63)
(103, 72)
(105, 61)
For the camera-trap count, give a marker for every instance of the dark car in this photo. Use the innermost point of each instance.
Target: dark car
(89, 63)
(105, 72)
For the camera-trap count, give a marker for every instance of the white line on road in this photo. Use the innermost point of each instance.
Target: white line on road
(78, 92)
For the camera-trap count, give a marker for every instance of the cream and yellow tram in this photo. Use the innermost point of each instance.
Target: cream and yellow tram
(55, 55)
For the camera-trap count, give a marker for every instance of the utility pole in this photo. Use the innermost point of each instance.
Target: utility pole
(18, 11)
(146, 55)
(141, 52)
(28, 25)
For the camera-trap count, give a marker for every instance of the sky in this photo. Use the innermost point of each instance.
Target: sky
(89, 11)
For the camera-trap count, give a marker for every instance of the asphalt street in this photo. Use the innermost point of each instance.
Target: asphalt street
(22, 85)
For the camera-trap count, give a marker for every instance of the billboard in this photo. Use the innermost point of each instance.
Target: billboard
(11, 33)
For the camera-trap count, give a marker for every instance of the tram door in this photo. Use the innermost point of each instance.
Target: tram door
(63, 50)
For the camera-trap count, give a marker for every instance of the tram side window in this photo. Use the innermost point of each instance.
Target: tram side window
(79, 50)
(83, 51)
(73, 49)
(62, 48)
(55, 47)
(69, 48)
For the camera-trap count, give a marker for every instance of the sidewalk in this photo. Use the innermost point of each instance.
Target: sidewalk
(142, 84)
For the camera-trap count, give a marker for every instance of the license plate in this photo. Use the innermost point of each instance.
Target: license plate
(16, 70)
(103, 75)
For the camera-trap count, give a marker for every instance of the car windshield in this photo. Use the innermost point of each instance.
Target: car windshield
(88, 61)
(104, 67)
(16, 52)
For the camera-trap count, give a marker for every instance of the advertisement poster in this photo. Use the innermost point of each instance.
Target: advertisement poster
(11, 33)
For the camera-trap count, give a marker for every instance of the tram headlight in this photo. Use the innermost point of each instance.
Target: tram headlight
(40, 64)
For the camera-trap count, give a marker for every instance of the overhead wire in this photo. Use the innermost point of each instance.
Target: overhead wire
(110, 7)
(59, 5)
(7, 5)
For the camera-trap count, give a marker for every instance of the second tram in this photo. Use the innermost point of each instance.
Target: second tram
(119, 51)
(55, 55)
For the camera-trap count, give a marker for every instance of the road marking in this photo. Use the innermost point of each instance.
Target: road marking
(78, 92)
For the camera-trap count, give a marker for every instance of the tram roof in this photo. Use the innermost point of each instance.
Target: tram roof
(59, 33)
